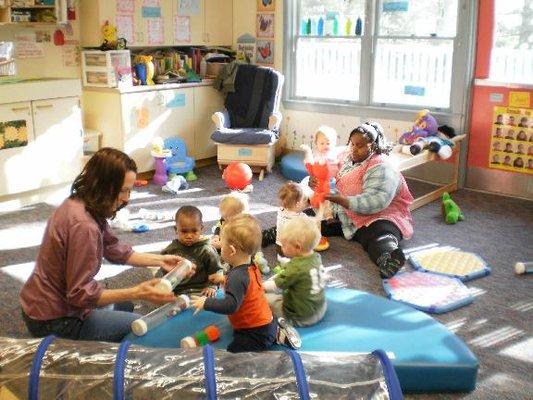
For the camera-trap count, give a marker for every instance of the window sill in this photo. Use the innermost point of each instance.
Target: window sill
(509, 85)
(382, 112)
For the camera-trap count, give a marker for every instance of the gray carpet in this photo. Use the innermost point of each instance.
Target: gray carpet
(497, 326)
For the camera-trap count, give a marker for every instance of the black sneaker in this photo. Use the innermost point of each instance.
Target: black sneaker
(287, 335)
(390, 263)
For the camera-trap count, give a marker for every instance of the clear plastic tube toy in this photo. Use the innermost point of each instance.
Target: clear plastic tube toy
(174, 277)
(142, 325)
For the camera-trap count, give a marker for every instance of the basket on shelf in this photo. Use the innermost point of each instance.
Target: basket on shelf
(7, 67)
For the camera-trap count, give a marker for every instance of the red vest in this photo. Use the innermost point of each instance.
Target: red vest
(254, 310)
(351, 184)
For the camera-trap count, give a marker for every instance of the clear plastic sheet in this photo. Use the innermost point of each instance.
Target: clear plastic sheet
(85, 370)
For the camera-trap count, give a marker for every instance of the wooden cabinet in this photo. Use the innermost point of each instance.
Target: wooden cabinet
(130, 121)
(210, 24)
(53, 154)
(218, 22)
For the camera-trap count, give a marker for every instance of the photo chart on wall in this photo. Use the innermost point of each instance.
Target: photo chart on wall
(511, 145)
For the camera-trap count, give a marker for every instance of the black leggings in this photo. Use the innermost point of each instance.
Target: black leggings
(377, 238)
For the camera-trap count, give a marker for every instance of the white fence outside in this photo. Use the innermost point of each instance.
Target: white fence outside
(511, 65)
(410, 74)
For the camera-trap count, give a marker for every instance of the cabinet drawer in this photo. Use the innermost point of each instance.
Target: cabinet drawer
(255, 155)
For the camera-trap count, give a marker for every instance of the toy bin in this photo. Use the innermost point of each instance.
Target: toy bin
(106, 68)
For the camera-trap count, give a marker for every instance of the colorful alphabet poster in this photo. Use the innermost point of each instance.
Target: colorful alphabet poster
(13, 134)
(511, 146)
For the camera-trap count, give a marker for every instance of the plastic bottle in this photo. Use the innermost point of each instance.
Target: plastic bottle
(303, 27)
(335, 26)
(142, 325)
(174, 277)
(358, 26)
(203, 67)
(348, 27)
(320, 27)
(524, 267)
(308, 26)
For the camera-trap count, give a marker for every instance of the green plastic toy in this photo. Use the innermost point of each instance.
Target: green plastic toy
(450, 210)
(261, 262)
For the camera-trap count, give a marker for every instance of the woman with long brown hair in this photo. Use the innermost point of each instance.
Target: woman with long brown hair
(61, 296)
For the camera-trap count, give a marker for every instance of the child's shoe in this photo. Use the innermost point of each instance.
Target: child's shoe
(390, 263)
(287, 335)
(323, 244)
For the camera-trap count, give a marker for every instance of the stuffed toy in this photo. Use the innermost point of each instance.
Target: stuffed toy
(450, 210)
(321, 173)
(260, 262)
(425, 125)
(109, 32)
(439, 144)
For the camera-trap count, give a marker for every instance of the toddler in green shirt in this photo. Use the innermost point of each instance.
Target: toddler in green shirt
(302, 281)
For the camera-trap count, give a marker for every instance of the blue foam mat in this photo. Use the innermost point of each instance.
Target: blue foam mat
(428, 357)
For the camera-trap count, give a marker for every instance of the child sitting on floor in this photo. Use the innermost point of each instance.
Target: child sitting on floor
(323, 153)
(302, 279)
(190, 244)
(254, 328)
(292, 203)
(230, 205)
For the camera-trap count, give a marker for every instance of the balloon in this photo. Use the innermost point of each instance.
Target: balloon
(237, 175)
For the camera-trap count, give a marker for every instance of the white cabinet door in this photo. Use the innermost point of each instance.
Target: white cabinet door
(207, 100)
(58, 140)
(163, 113)
(17, 162)
(218, 22)
(193, 13)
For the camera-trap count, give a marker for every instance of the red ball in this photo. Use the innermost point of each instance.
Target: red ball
(237, 175)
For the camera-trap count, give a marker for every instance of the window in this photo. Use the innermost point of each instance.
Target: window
(375, 53)
(512, 53)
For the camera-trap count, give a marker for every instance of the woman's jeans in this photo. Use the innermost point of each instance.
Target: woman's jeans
(102, 324)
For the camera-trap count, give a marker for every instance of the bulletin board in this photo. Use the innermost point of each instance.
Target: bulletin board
(511, 146)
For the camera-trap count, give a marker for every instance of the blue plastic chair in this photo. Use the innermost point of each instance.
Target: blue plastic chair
(179, 162)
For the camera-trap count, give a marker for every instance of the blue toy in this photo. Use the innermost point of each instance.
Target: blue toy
(179, 162)
(140, 228)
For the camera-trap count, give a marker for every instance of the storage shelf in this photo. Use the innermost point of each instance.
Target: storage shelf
(31, 7)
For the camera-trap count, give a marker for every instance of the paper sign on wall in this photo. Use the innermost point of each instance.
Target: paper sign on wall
(126, 27)
(188, 7)
(265, 25)
(265, 52)
(71, 53)
(177, 101)
(151, 12)
(26, 46)
(13, 134)
(182, 29)
(143, 117)
(511, 146)
(125, 6)
(155, 31)
(519, 99)
(266, 5)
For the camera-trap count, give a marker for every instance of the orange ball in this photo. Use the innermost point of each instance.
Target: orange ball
(213, 333)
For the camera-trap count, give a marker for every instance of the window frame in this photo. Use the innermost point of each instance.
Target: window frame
(462, 69)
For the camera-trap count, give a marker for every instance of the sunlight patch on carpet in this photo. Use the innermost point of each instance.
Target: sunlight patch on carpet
(22, 236)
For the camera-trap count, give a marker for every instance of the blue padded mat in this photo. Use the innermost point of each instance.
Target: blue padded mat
(428, 357)
(292, 166)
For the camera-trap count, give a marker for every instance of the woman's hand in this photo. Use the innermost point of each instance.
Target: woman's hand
(338, 199)
(147, 291)
(198, 303)
(168, 261)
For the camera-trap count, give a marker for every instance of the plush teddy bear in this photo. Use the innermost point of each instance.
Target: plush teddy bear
(440, 144)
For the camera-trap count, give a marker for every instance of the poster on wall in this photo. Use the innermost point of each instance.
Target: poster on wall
(266, 5)
(182, 29)
(511, 145)
(265, 52)
(265, 25)
(13, 134)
